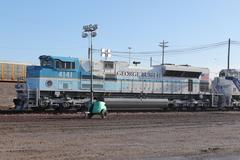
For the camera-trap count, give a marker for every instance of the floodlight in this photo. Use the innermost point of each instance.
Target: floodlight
(93, 34)
(103, 54)
(85, 28)
(84, 34)
(95, 26)
(103, 50)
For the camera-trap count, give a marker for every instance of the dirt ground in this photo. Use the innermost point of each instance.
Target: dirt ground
(135, 136)
(7, 94)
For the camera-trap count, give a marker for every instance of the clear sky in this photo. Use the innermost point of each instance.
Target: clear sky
(29, 28)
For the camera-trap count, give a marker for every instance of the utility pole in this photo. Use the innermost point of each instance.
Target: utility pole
(129, 61)
(163, 45)
(150, 61)
(229, 43)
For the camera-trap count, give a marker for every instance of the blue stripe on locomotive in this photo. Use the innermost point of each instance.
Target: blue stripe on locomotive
(53, 72)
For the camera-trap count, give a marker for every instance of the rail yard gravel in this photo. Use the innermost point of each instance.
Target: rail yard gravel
(7, 94)
(137, 136)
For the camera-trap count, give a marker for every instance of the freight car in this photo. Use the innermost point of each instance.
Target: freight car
(12, 71)
(64, 82)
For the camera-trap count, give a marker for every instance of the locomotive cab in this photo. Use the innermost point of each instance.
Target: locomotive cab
(47, 84)
(227, 87)
(46, 61)
(58, 63)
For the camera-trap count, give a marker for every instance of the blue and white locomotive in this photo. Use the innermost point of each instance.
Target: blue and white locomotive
(64, 82)
(226, 88)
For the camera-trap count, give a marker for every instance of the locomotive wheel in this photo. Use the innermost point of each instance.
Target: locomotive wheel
(35, 109)
(171, 107)
(203, 108)
(194, 109)
(59, 108)
(86, 114)
(38, 109)
(65, 105)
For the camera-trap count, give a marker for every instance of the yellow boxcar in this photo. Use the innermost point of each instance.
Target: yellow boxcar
(13, 71)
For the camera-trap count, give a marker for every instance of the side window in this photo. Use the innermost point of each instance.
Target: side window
(73, 65)
(68, 65)
(58, 64)
(234, 90)
(108, 65)
(63, 65)
(190, 85)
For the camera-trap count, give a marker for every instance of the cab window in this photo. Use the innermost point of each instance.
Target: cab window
(65, 65)
(58, 64)
(222, 74)
(46, 63)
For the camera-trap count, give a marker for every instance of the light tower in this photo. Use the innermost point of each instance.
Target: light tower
(90, 32)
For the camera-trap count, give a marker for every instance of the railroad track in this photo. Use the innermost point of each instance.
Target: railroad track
(130, 109)
(12, 111)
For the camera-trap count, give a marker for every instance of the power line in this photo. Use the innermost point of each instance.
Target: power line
(126, 57)
(193, 51)
(205, 47)
(189, 50)
(201, 47)
(178, 51)
(235, 43)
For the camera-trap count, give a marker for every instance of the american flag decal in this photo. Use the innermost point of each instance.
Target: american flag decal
(204, 76)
